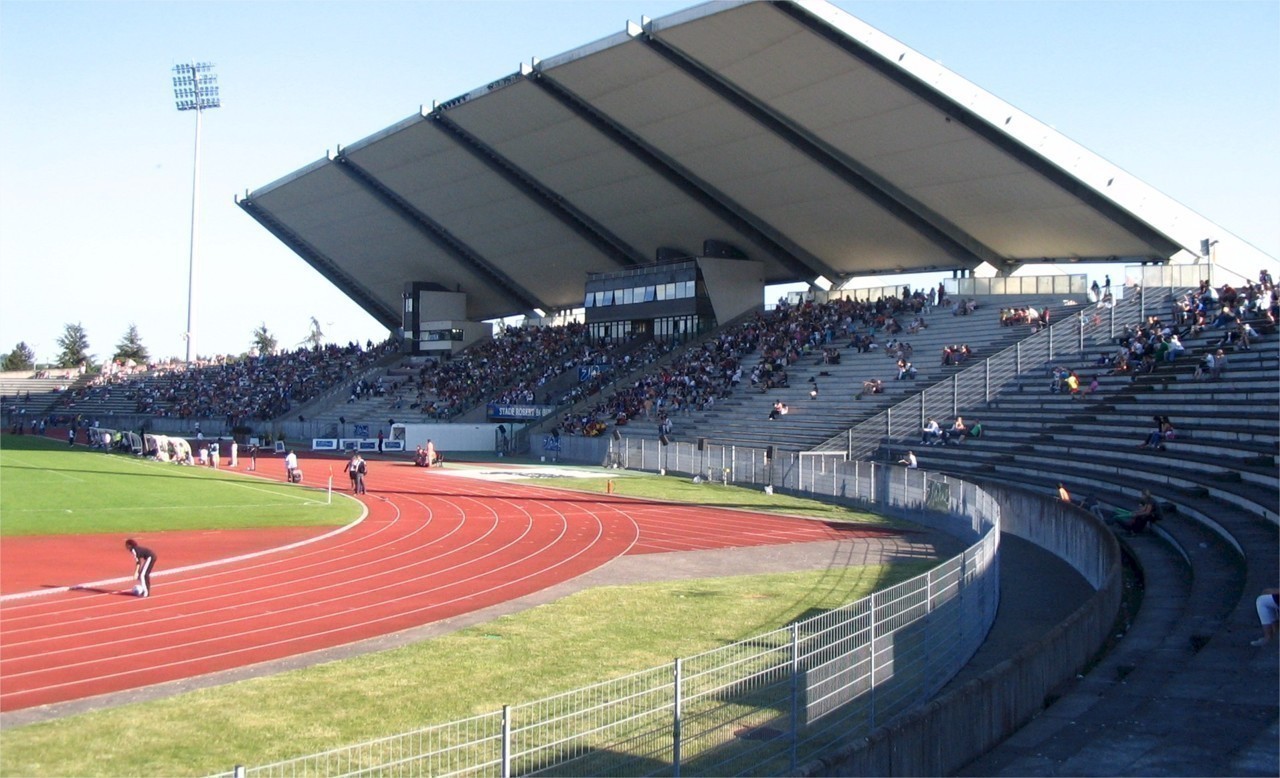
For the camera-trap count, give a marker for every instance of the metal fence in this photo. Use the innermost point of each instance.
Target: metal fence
(760, 706)
(975, 386)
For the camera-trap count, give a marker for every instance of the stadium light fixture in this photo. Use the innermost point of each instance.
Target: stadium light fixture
(195, 88)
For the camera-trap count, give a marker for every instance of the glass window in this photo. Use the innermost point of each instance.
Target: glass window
(606, 297)
(590, 300)
(649, 294)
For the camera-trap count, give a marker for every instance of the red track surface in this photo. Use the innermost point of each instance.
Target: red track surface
(431, 547)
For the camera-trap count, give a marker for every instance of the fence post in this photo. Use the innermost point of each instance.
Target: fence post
(675, 723)
(795, 692)
(1017, 358)
(239, 771)
(506, 741)
(986, 380)
(955, 393)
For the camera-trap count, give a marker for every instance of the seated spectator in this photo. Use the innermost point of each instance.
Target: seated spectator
(1063, 494)
(909, 459)
(905, 369)
(975, 429)
(780, 409)
(1268, 605)
(1073, 384)
(957, 432)
(872, 386)
(1147, 513)
(930, 433)
(1166, 430)
(1091, 505)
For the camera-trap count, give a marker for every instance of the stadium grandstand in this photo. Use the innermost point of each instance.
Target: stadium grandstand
(631, 201)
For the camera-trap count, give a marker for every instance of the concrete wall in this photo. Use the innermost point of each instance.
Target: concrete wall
(961, 725)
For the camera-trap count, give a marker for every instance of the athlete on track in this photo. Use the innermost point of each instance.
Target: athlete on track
(144, 560)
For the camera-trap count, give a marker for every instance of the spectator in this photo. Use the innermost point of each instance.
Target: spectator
(1147, 512)
(930, 433)
(909, 459)
(1268, 604)
(957, 432)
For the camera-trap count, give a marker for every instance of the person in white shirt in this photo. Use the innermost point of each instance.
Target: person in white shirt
(290, 465)
(909, 460)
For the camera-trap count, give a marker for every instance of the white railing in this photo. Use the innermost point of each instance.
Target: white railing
(760, 706)
(973, 387)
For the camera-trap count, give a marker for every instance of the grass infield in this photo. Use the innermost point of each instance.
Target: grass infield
(50, 488)
(514, 659)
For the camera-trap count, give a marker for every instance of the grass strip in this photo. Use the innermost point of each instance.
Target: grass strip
(518, 658)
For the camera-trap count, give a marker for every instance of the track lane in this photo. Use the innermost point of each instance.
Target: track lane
(432, 547)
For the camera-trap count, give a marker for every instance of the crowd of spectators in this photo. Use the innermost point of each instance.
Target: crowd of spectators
(252, 387)
(514, 366)
(709, 371)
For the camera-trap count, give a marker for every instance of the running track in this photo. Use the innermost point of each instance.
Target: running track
(431, 546)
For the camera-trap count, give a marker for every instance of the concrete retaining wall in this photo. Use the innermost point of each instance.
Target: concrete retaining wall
(961, 725)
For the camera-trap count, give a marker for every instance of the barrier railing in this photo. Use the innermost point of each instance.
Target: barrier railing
(979, 384)
(760, 706)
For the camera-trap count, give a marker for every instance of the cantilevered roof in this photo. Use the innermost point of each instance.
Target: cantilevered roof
(790, 130)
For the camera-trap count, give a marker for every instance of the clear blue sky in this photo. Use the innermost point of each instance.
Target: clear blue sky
(95, 182)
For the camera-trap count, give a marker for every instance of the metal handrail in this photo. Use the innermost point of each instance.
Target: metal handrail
(983, 381)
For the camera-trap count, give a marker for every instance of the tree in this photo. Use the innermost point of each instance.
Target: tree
(264, 341)
(130, 347)
(315, 338)
(75, 346)
(21, 358)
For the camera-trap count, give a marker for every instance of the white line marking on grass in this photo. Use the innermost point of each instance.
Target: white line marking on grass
(290, 493)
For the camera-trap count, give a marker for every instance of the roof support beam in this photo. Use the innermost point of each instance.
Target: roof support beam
(349, 285)
(916, 215)
(786, 251)
(569, 215)
(437, 234)
(1160, 243)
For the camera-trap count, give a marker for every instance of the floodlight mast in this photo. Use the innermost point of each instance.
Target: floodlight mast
(195, 88)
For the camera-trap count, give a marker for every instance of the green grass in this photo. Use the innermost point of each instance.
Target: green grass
(683, 489)
(514, 659)
(49, 488)
(588, 637)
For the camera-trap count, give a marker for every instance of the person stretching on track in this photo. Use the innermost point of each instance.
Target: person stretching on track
(144, 560)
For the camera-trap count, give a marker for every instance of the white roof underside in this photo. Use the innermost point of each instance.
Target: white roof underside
(793, 132)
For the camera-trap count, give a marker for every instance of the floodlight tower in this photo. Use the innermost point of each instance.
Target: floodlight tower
(195, 88)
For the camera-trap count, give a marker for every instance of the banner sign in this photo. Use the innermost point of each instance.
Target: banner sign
(393, 445)
(323, 444)
(518, 412)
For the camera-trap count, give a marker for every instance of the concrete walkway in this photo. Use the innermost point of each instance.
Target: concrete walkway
(1163, 701)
